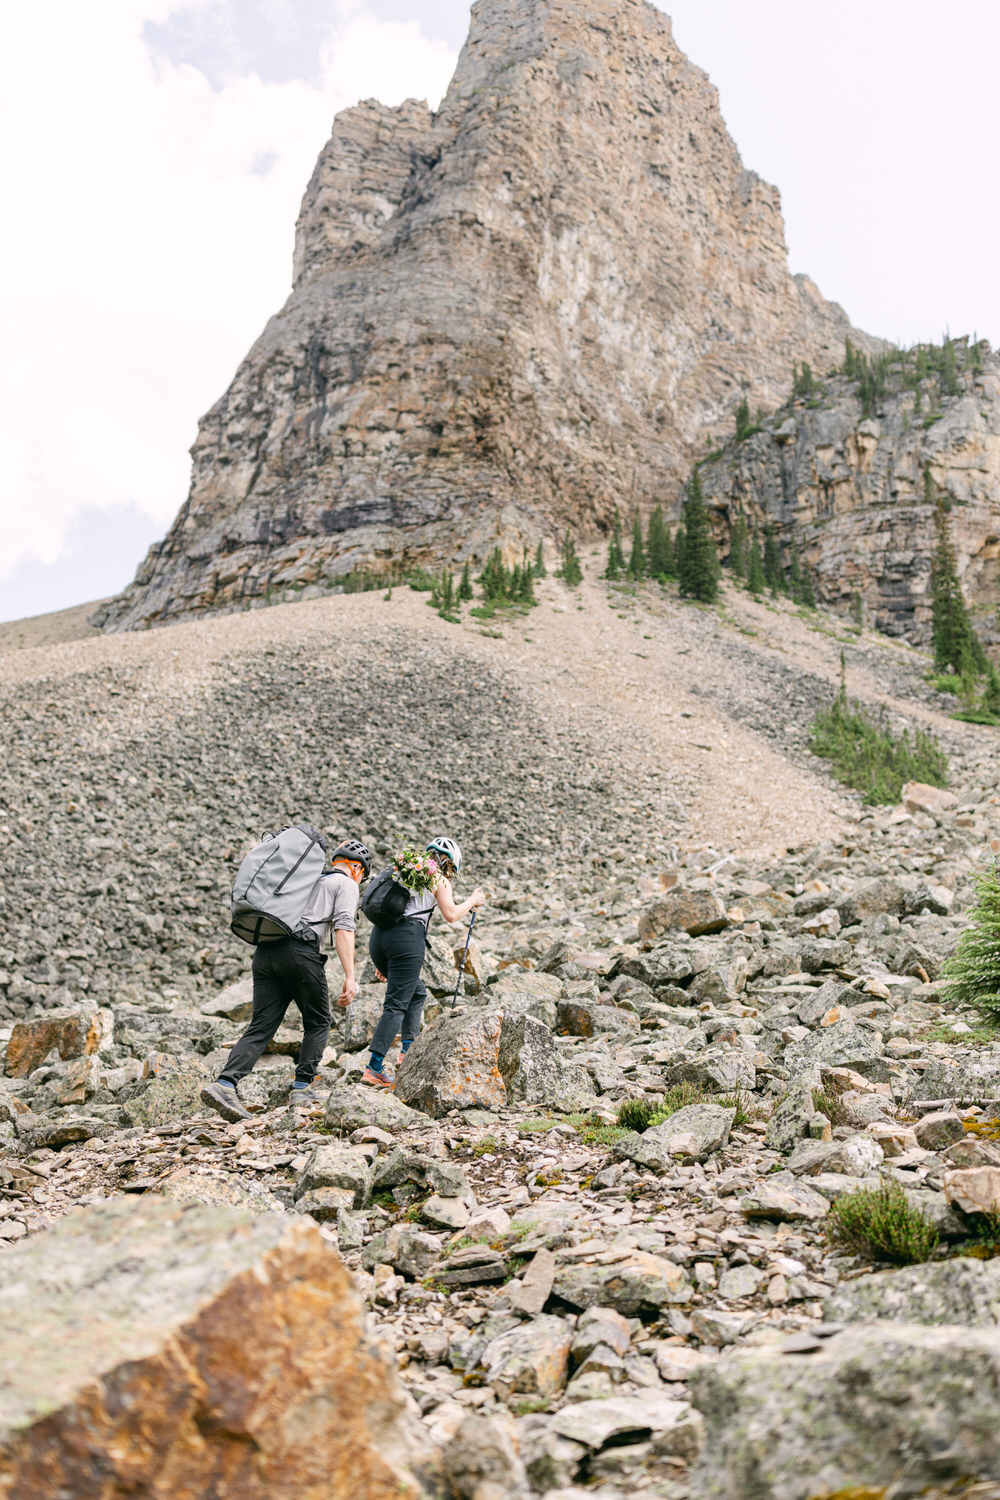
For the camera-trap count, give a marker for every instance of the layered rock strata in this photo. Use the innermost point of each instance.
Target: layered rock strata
(508, 318)
(850, 491)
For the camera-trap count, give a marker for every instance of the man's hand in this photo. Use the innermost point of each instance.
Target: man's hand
(347, 994)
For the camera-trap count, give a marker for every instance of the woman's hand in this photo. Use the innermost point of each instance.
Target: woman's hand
(476, 900)
(379, 977)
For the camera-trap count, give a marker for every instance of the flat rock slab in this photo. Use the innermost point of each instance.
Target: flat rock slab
(964, 1290)
(221, 1190)
(162, 1349)
(337, 1166)
(783, 1196)
(534, 1071)
(165, 1097)
(453, 1065)
(719, 1069)
(632, 1282)
(694, 912)
(595, 1423)
(841, 1045)
(234, 1003)
(856, 1157)
(872, 1403)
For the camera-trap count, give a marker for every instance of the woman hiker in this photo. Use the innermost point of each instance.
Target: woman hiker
(398, 953)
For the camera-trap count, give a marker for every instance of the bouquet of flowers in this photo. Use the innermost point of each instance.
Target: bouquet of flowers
(417, 872)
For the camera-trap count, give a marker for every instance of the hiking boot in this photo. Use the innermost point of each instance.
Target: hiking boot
(377, 1080)
(299, 1097)
(225, 1102)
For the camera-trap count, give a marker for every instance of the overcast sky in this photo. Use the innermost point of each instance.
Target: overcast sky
(155, 151)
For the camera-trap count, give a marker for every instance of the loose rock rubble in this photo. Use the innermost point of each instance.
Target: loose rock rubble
(569, 1304)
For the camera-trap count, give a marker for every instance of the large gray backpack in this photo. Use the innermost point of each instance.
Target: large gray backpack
(275, 882)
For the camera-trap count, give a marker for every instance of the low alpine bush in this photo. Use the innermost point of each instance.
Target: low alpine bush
(879, 1224)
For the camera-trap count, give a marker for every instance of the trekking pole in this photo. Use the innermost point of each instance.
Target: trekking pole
(461, 967)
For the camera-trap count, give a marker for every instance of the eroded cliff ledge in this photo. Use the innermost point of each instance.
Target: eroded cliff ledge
(507, 318)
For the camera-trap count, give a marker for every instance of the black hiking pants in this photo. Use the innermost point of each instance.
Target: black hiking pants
(398, 952)
(283, 972)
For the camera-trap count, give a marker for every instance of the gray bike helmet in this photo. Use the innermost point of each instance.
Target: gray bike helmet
(357, 852)
(448, 849)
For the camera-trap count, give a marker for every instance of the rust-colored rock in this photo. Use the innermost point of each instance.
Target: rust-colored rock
(180, 1352)
(917, 796)
(74, 1032)
(454, 1065)
(692, 911)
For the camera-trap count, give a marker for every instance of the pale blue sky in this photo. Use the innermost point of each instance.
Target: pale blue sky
(161, 147)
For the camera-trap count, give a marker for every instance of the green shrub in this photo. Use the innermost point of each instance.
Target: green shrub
(879, 1224)
(972, 974)
(829, 1102)
(421, 581)
(865, 754)
(635, 1114)
(678, 1097)
(744, 1105)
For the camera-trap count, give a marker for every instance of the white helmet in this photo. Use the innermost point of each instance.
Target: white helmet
(448, 849)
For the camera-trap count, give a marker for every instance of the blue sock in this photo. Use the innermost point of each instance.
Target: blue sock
(301, 1084)
(225, 1084)
(408, 1043)
(376, 1061)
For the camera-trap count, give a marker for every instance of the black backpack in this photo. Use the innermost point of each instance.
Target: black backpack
(384, 902)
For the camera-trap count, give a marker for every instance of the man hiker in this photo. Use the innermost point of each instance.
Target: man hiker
(293, 969)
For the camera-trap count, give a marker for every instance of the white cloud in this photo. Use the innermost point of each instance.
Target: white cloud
(150, 222)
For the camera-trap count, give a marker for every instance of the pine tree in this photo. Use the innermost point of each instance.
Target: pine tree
(526, 590)
(808, 595)
(803, 383)
(616, 556)
(447, 593)
(756, 582)
(680, 547)
(949, 370)
(850, 360)
(570, 572)
(540, 561)
(738, 546)
(774, 573)
(956, 644)
(990, 701)
(637, 557)
(972, 975)
(743, 424)
(700, 576)
(795, 576)
(659, 553)
(465, 585)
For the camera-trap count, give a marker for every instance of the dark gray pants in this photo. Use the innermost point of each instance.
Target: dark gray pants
(398, 952)
(283, 972)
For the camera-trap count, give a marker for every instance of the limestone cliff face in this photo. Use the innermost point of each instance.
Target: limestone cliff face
(507, 318)
(849, 491)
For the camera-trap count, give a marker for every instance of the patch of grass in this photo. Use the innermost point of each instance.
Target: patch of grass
(679, 1097)
(635, 1114)
(524, 1406)
(879, 1224)
(976, 716)
(594, 1132)
(979, 1036)
(539, 1125)
(829, 1102)
(985, 1241)
(865, 754)
(946, 682)
(745, 1106)
(488, 1146)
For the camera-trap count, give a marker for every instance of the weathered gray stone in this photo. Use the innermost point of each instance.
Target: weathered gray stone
(968, 1079)
(480, 1462)
(221, 1190)
(532, 1359)
(409, 1250)
(165, 1097)
(234, 1003)
(694, 1132)
(445, 1213)
(326, 1203)
(534, 1072)
(854, 1157)
(784, 1196)
(337, 1166)
(740, 1281)
(964, 1290)
(453, 1065)
(35, 1131)
(600, 1325)
(356, 1024)
(719, 1069)
(871, 899)
(717, 1327)
(813, 1007)
(404, 1165)
(352, 1106)
(550, 1460)
(792, 1426)
(595, 1423)
(939, 1129)
(790, 1122)
(634, 1280)
(135, 1335)
(841, 1045)
(536, 1283)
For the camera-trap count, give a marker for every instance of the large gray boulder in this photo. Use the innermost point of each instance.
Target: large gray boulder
(790, 1122)
(856, 1157)
(630, 1281)
(454, 1065)
(719, 1069)
(841, 1045)
(692, 1134)
(356, 1024)
(533, 1070)
(963, 1290)
(966, 1078)
(353, 1105)
(873, 1404)
(872, 899)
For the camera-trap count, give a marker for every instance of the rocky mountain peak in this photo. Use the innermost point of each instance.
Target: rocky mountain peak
(507, 319)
